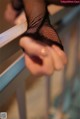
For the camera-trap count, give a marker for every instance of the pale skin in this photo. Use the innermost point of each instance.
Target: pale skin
(52, 58)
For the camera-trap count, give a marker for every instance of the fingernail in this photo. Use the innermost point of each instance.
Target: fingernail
(44, 52)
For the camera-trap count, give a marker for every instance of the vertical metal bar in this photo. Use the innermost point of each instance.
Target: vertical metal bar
(48, 78)
(21, 99)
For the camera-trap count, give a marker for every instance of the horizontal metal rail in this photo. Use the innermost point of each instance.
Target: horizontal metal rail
(11, 72)
(12, 33)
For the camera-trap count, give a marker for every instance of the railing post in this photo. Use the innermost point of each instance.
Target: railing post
(47, 96)
(21, 99)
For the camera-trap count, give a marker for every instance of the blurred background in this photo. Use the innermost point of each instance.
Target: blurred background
(25, 96)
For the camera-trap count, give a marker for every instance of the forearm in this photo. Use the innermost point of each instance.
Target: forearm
(39, 27)
(35, 11)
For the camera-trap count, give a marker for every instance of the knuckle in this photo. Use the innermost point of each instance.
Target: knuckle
(62, 54)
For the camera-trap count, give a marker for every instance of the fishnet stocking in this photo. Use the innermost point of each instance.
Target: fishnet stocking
(39, 27)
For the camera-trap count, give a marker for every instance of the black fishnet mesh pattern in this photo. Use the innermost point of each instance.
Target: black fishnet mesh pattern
(39, 27)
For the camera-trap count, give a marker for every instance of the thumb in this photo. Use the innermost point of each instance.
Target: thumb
(31, 47)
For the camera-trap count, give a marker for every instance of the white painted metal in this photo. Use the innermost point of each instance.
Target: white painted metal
(12, 33)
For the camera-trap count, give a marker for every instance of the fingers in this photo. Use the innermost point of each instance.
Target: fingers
(32, 48)
(48, 67)
(33, 67)
(10, 13)
(42, 60)
(61, 54)
(58, 60)
(45, 68)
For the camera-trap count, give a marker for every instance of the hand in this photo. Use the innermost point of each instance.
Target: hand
(39, 59)
(10, 14)
(42, 60)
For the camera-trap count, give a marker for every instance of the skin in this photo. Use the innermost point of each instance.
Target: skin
(51, 58)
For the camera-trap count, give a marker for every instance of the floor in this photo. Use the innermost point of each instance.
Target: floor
(36, 97)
